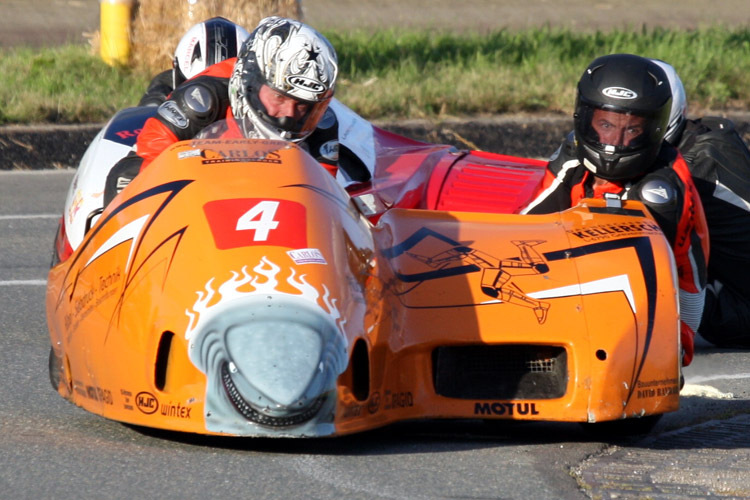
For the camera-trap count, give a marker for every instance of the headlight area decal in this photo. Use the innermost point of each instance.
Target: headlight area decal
(452, 258)
(642, 247)
(134, 233)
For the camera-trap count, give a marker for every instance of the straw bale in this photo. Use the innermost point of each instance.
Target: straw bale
(158, 25)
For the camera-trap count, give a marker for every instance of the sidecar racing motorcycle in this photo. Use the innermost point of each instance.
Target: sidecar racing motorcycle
(236, 288)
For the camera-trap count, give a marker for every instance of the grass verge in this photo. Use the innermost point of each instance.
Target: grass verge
(410, 74)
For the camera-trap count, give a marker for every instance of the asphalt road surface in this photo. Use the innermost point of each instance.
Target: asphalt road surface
(52, 449)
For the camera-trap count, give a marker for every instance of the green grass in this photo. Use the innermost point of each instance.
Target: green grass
(411, 74)
(63, 85)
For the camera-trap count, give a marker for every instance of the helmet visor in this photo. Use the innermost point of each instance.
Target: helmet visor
(293, 119)
(613, 131)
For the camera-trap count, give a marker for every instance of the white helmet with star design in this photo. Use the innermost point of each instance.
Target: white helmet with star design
(292, 59)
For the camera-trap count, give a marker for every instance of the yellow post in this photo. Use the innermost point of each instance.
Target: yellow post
(114, 30)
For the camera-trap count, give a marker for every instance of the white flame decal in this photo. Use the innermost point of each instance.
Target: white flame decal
(308, 291)
(333, 310)
(263, 281)
(311, 294)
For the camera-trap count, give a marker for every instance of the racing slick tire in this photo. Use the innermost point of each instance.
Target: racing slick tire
(55, 369)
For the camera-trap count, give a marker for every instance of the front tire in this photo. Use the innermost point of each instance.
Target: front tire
(55, 369)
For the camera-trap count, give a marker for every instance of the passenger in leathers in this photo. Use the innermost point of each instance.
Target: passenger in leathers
(719, 161)
(203, 45)
(278, 87)
(617, 148)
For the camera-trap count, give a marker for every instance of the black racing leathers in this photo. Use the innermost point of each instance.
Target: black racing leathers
(158, 90)
(719, 161)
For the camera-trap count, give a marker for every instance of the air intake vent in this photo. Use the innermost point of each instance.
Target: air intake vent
(485, 188)
(162, 360)
(500, 372)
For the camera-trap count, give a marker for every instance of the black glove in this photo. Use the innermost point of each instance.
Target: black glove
(158, 90)
(120, 176)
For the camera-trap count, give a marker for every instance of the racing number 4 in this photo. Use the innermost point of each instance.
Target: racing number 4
(242, 222)
(260, 218)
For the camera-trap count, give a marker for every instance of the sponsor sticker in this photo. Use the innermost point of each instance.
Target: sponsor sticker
(609, 231)
(505, 408)
(307, 256)
(127, 399)
(240, 155)
(146, 402)
(330, 150)
(75, 205)
(620, 93)
(128, 134)
(305, 83)
(657, 388)
(175, 410)
(99, 394)
(395, 399)
(374, 404)
(193, 153)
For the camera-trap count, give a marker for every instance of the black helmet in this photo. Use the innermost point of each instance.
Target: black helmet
(629, 96)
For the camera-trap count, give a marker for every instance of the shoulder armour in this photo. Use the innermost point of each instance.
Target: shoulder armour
(657, 191)
(194, 105)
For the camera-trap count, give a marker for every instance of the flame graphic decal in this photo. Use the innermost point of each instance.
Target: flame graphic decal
(271, 358)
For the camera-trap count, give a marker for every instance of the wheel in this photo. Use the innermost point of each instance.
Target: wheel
(55, 369)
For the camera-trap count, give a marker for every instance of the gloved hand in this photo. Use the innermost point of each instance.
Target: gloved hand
(120, 176)
(687, 339)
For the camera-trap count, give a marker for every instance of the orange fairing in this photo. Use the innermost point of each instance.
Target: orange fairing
(235, 288)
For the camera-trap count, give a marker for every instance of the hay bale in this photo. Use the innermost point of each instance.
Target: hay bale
(158, 25)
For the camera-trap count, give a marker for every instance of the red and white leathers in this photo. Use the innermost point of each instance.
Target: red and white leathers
(668, 191)
(202, 101)
(173, 124)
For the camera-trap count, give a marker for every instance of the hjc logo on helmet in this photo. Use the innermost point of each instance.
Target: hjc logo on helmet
(305, 83)
(619, 93)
